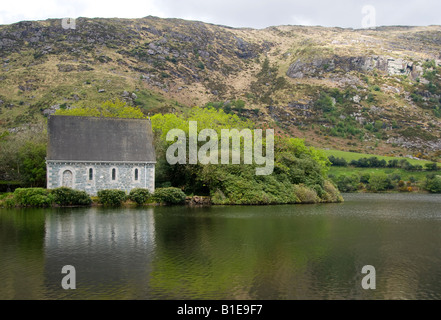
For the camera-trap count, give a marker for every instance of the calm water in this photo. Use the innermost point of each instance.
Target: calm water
(271, 252)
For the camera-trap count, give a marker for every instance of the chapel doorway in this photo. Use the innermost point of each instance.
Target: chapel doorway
(67, 179)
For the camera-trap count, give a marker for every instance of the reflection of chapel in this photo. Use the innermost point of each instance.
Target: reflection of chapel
(91, 154)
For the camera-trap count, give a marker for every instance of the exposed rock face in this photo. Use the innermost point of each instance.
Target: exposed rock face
(416, 143)
(318, 67)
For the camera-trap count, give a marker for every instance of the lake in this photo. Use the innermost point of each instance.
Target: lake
(282, 252)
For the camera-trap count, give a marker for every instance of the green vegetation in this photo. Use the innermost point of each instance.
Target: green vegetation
(169, 195)
(117, 109)
(297, 168)
(375, 175)
(69, 197)
(30, 197)
(40, 197)
(349, 156)
(23, 157)
(229, 107)
(325, 102)
(111, 197)
(267, 82)
(139, 195)
(426, 95)
(433, 183)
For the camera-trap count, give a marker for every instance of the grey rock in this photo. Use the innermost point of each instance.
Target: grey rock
(318, 66)
(51, 110)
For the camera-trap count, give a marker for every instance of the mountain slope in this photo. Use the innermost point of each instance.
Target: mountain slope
(375, 91)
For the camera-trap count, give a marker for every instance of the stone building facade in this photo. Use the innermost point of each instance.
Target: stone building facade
(92, 154)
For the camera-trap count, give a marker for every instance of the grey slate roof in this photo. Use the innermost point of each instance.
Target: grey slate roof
(74, 138)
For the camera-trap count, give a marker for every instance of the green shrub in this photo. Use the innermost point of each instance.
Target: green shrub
(347, 183)
(434, 185)
(169, 195)
(139, 195)
(69, 197)
(111, 197)
(5, 195)
(325, 103)
(331, 193)
(9, 203)
(380, 182)
(32, 197)
(40, 201)
(305, 194)
(218, 197)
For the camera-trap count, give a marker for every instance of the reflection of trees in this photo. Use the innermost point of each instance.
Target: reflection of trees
(21, 252)
(215, 254)
(293, 252)
(268, 252)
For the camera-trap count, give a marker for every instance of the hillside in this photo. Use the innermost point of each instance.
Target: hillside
(371, 91)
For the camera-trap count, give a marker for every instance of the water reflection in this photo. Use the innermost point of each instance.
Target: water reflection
(277, 252)
(111, 250)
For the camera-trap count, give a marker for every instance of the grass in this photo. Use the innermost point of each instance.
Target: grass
(349, 156)
(405, 175)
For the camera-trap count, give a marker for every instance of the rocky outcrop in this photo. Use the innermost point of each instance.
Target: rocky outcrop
(415, 143)
(198, 200)
(320, 66)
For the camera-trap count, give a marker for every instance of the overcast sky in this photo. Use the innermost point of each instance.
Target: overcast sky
(235, 13)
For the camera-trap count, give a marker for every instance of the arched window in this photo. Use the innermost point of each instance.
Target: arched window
(113, 174)
(136, 174)
(90, 174)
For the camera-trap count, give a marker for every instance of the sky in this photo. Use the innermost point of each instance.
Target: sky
(237, 13)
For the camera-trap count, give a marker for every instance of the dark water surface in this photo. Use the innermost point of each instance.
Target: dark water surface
(268, 252)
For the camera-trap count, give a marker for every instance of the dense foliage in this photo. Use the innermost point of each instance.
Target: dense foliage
(111, 197)
(69, 197)
(31, 197)
(169, 195)
(139, 195)
(384, 179)
(297, 168)
(23, 157)
(433, 184)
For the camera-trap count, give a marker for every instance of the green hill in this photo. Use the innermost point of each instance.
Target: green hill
(369, 91)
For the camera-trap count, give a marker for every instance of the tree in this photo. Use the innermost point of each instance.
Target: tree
(431, 166)
(434, 184)
(379, 182)
(33, 159)
(325, 103)
(22, 156)
(294, 163)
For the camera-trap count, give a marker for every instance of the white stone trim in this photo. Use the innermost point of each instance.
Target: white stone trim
(101, 162)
